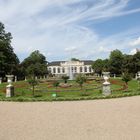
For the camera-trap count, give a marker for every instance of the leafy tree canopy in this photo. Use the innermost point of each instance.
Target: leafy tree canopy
(8, 59)
(74, 59)
(116, 61)
(35, 64)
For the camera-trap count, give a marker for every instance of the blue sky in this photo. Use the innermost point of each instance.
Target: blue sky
(61, 29)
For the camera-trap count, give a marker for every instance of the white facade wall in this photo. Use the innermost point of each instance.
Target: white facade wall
(76, 67)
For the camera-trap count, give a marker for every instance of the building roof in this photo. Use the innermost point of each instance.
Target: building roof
(57, 63)
(87, 62)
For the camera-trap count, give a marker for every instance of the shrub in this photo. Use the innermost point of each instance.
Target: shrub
(33, 83)
(80, 79)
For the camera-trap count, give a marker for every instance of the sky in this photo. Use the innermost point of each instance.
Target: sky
(62, 29)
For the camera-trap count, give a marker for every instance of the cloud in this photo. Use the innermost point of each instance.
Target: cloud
(135, 42)
(57, 26)
(133, 51)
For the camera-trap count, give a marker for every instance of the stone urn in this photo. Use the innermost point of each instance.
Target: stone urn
(106, 74)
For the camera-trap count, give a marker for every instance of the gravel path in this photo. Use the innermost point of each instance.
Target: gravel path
(112, 119)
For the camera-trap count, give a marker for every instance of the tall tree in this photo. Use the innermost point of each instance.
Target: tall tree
(100, 65)
(35, 64)
(136, 62)
(116, 61)
(128, 64)
(8, 59)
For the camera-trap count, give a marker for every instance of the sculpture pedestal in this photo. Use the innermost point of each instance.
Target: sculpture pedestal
(9, 91)
(106, 89)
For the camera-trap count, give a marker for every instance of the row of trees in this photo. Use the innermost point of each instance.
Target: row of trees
(118, 63)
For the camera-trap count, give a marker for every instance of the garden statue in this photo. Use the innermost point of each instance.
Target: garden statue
(106, 86)
(10, 87)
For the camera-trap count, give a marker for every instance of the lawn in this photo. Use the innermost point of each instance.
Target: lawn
(91, 90)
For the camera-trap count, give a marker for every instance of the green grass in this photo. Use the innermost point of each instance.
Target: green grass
(90, 91)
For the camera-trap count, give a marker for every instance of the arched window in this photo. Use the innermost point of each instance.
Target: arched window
(85, 69)
(81, 70)
(58, 70)
(89, 69)
(54, 70)
(75, 69)
(72, 69)
(63, 70)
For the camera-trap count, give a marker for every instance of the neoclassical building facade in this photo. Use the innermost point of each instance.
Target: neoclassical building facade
(60, 68)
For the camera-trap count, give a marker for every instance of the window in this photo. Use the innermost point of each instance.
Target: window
(81, 70)
(58, 70)
(89, 69)
(85, 69)
(54, 70)
(63, 70)
(75, 69)
(72, 69)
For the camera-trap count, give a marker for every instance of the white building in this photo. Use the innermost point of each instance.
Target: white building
(59, 68)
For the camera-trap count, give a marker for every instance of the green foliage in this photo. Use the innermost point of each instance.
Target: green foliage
(74, 59)
(126, 77)
(116, 61)
(100, 65)
(136, 62)
(56, 84)
(65, 78)
(8, 59)
(33, 83)
(35, 64)
(80, 79)
(64, 95)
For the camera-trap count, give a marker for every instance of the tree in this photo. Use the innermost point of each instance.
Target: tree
(115, 62)
(8, 60)
(136, 62)
(33, 83)
(74, 59)
(98, 66)
(128, 64)
(35, 64)
(126, 78)
(80, 79)
(65, 78)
